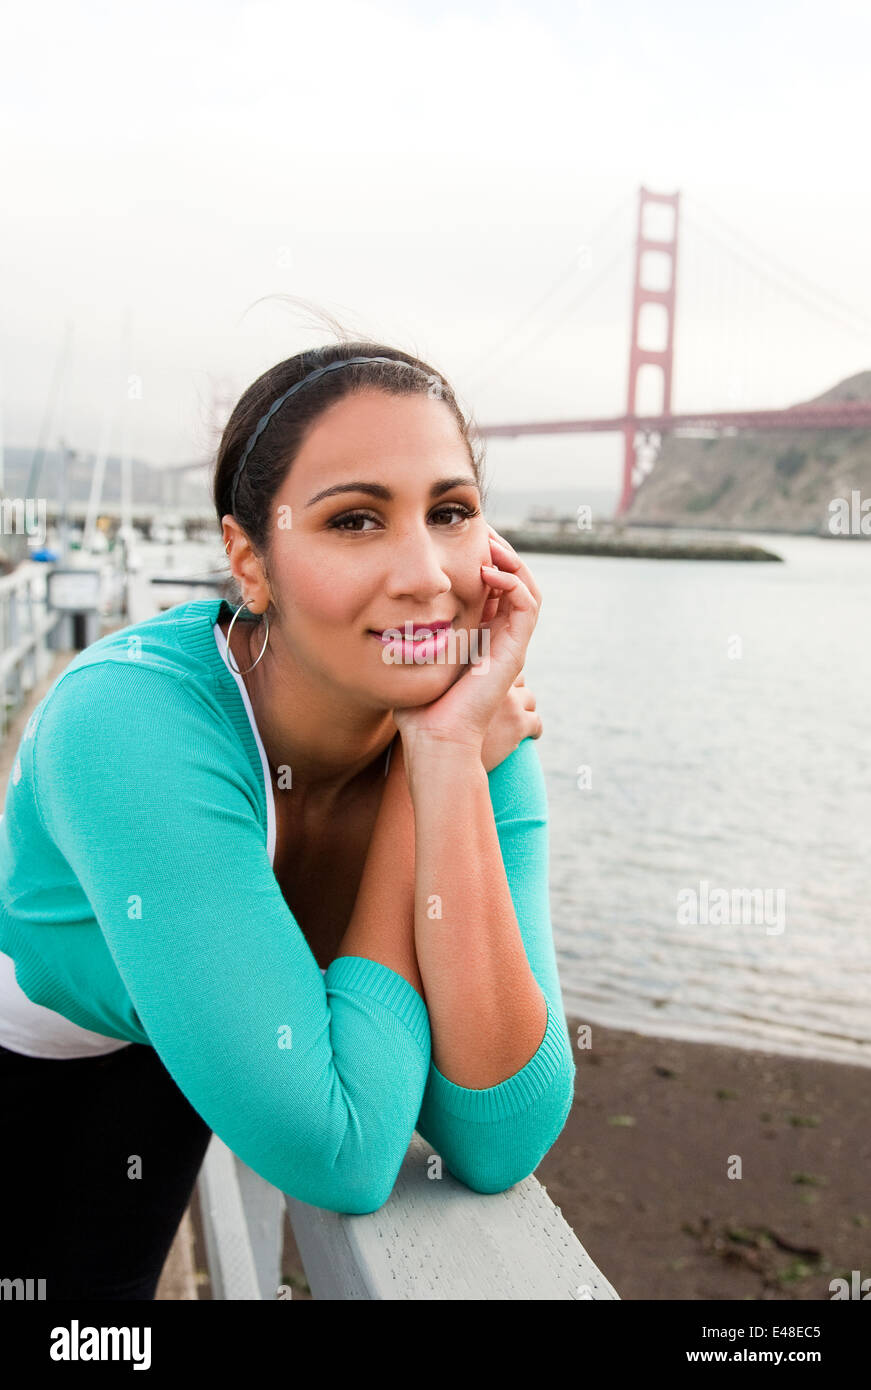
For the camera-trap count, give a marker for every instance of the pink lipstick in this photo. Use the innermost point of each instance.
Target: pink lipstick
(408, 649)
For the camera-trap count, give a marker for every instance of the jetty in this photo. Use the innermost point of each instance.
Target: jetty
(632, 542)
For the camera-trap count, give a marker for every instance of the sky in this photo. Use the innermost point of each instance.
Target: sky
(459, 181)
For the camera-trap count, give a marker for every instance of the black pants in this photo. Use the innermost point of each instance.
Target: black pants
(73, 1210)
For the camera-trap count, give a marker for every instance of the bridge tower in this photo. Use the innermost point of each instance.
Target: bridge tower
(638, 355)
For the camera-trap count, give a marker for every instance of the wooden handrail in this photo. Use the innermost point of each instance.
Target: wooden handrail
(433, 1239)
(25, 628)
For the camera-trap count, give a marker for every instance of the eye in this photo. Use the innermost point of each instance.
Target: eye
(458, 509)
(340, 523)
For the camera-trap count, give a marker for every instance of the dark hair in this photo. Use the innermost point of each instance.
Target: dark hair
(273, 454)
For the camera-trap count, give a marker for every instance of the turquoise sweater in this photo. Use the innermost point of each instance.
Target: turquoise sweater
(137, 899)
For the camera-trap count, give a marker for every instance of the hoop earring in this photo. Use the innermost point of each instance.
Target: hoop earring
(230, 659)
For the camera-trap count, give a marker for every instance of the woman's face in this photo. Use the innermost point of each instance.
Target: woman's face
(400, 539)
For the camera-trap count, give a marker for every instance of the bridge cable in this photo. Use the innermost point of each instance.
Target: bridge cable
(568, 271)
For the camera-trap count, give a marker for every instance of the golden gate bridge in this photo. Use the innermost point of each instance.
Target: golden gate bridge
(638, 428)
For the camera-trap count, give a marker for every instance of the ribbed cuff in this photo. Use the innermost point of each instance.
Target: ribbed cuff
(382, 984)
(512, 1096)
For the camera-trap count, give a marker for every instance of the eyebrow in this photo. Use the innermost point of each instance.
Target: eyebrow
(379, 490)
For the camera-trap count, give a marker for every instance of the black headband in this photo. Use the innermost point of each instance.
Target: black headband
(276, 405)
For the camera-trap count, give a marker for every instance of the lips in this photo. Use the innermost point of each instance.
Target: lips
(415, 627)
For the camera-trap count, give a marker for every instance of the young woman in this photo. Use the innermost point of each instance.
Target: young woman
(280, 870)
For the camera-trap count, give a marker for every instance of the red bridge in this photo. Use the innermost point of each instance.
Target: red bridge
(636, 427)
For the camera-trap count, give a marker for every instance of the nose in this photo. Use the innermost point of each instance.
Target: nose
(415, 564)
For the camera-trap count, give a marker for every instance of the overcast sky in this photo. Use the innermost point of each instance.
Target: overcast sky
(427, 173)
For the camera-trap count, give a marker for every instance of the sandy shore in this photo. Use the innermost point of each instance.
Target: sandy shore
(640, 1171)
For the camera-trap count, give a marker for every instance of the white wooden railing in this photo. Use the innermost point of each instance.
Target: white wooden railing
(25, 628)
(433, 1239)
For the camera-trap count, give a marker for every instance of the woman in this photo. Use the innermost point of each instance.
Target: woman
(214, 872)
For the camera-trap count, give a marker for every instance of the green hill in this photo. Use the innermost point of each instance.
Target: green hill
(778, 480)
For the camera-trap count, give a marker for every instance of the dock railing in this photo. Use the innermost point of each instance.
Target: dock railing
(25, 627)
(433, 1239)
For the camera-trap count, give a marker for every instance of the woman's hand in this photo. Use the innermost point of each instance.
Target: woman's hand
(462, 716)
(515, 719)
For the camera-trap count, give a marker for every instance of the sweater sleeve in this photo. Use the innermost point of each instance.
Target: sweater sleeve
(313, 1081)
(493, 1138)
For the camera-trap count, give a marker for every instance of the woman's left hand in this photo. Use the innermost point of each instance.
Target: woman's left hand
(462, 715)
(515, 719)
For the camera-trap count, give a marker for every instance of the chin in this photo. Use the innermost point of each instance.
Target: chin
(426, 681)
(430, 674)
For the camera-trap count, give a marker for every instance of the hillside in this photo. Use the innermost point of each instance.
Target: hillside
(779, 480)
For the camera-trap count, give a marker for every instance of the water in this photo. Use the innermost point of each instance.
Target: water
(747, 771)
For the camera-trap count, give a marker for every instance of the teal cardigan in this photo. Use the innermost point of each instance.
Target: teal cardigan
(137, 899)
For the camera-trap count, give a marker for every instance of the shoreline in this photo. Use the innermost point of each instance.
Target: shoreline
(652, 1027)
(633, 547)
(641, 1169)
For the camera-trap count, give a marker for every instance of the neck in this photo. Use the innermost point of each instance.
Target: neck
(305, 724)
